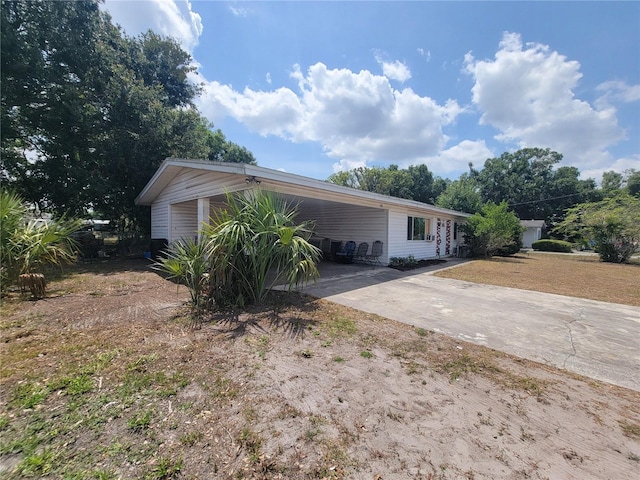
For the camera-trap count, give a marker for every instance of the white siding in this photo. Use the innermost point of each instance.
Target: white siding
(184, 220)
(531, 235)
(188, 186)
(344, 222)
(399, 246)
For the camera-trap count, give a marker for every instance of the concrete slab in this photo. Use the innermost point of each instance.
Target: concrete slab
(596, 339)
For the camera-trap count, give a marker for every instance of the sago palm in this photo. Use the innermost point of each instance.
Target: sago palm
(254, 243)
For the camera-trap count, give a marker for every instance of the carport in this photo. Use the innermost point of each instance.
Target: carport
(184, 193)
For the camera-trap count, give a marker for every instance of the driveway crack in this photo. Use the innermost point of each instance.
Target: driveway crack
(573, 346)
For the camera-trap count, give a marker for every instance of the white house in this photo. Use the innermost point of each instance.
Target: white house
(184, 193)
(533, 231)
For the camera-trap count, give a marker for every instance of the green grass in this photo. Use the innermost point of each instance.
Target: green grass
(140, 421)
(339, 326)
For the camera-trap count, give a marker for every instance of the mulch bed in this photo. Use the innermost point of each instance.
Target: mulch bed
(418, 264)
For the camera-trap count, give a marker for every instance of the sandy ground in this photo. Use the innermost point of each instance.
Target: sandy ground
(317, 390)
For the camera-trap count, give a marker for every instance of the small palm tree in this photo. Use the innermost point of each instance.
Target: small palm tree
(255, 243)
(187, 261)
(27, 246)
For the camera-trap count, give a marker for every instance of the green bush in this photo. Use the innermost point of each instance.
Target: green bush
(552, 246)
(403, 262)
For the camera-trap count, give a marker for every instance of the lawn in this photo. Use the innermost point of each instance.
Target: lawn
(106, 378)
(583, 276)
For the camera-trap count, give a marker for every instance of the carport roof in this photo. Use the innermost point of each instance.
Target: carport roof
(171, 167)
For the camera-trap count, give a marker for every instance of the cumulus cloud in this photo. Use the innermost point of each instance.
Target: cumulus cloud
(615, 91)
(172, 18)
(356, 117)
(456, 158)
(527, 93)
(618, 165)
(394, 70)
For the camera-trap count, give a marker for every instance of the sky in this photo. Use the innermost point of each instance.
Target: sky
(313, 88)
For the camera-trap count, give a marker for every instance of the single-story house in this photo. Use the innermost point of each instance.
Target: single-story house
(533, 230)
(183, 194)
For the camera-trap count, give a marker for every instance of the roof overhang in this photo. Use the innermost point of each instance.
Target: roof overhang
(171, 167)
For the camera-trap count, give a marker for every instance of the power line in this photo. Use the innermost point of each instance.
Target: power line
(546, 199)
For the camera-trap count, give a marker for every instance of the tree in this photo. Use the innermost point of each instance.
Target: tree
(633, 183)
(611, 182)
(88, 113)
(415, 183)
(462, 195)
(612, 224)
(493, 231)
(526, 180)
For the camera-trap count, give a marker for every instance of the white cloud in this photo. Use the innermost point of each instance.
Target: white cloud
(528, 94)
(394, 70)
(425, 53)
(239, 11)
(268, 78)
(172, 18)
(456, 158)
(617, 91)
(356, 117)
(618, 165)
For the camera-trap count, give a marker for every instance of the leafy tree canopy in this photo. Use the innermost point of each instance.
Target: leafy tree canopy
(495, 230)
(612, 224)
(527, 181)
(462, 195)
(414, 183)
(88, 113)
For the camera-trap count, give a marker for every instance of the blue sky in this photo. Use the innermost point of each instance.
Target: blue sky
(316, 87)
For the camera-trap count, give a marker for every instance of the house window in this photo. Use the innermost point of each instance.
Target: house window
(417, 228)
(455, 230)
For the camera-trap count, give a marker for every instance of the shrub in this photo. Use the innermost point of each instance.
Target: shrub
(27, 245)
(403, 262)
(493, 231)
(552, 246)
(613, 225)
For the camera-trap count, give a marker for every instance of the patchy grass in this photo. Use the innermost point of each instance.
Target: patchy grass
(573, 275)
(120, 386)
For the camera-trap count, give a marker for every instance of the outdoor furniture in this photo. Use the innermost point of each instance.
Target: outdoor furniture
(376, 252)
(345, 255)
(361, 252)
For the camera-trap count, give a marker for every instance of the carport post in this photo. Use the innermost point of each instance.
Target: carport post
(203, 214)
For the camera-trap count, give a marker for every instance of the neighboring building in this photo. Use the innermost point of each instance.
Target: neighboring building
(184, 193)
(533, 231)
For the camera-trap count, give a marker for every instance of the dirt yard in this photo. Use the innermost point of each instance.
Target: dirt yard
(106, 378)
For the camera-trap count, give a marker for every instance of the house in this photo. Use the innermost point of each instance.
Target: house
(183, 194)
(533, 231)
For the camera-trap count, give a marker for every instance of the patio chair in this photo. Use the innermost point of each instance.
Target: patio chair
(361, 252)
(325, 247)
(345, 255)
(376, 252)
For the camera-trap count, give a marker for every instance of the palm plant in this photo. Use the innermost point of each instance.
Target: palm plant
(28, 245)
(255, 243)
(187, 261)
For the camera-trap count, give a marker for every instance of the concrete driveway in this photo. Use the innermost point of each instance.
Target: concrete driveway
(596, 339)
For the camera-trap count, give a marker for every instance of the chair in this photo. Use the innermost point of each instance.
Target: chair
(361, 252)
(325, 247)
(345, 255)
(376, 252)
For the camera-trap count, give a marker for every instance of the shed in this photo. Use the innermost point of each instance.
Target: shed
(533, 230)
(183, 194)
